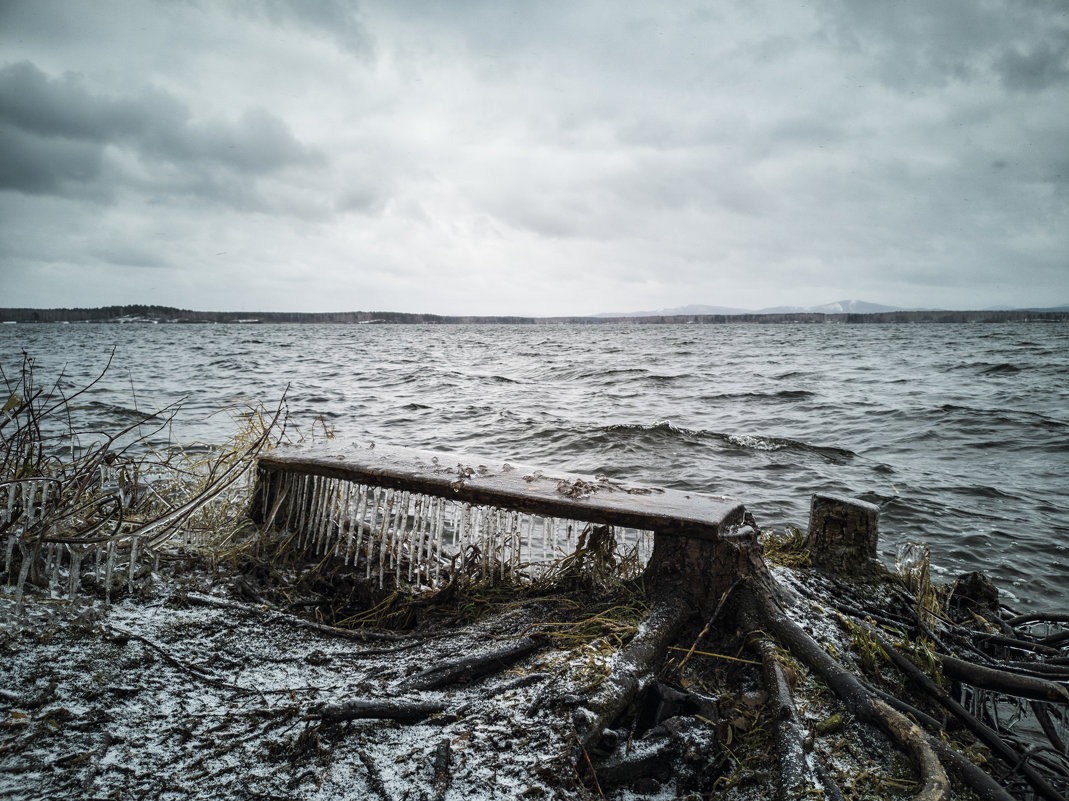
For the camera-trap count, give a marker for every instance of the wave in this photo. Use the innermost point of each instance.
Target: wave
(501, 379)
(1000, 369)
(782, 395)
(116, 412)
(667, 433)
(987, 368)
(760, 443)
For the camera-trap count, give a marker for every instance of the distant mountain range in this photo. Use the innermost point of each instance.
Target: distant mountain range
(838, 307)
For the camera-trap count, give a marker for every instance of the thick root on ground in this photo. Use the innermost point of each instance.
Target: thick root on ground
(856, 697)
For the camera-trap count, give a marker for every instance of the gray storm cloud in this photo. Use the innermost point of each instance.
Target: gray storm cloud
(533, 159)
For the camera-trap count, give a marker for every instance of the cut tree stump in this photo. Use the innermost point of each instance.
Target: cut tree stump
(701, 569)
(843, 533)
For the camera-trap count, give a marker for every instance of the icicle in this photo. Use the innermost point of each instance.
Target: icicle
(308, 513)
(436, 540)
(386, 517)
(435, 532)
(316, 527)
(475, 521)
(345, 520)
(270, 481)
(396, 527)
(530, 539)
(44, 495)
(371, 531)
(29, 491)
(349, 517)
(400, 535)
(419, 545)
(419, 534)
(9, 508)
(302, 507)
(109, 571)
(408, 544)
(74, 583)
(426, 548)
(308, 527)
(315, 512)
(11, 540)
(513, 535)
(464, 534)
(409, 520)
(293, 506)
(517, 541)
(414, 537)
(133, 565)
(358, 520)
(496, 539)
(326, 515)
(24, 571)
(281, 503)
(55, 555)
(428, 540)
(500, 542)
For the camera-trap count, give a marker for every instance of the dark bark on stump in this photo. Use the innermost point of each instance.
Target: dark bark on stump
(842, 532)
(687, 576)
(703, 570)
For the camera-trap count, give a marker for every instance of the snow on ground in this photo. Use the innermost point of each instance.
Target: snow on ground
(154, 698)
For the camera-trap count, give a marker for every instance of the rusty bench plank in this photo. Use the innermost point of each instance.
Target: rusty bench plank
(549, 493)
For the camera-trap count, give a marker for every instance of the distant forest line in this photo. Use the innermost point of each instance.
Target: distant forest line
(165, 314)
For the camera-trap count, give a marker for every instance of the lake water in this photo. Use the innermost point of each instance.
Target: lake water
(959, 432)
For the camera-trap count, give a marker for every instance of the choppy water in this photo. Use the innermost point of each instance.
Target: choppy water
(959, 432)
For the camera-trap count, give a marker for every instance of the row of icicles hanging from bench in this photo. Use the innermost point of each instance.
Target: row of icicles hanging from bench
(401, 536)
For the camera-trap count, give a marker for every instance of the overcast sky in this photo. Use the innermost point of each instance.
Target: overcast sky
(534, 158)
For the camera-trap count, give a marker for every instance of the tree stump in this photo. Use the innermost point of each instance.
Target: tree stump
(701, 569)
(842, 533)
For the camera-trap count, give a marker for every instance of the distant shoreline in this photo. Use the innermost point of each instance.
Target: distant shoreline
(168, 315)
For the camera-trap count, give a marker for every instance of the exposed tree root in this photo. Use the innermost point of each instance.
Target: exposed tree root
(986, 735)
(468, 669)
(856, 698)
(633, 665)
(365, 709)
(796, 776)
(270, 616)
(1003, 681)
